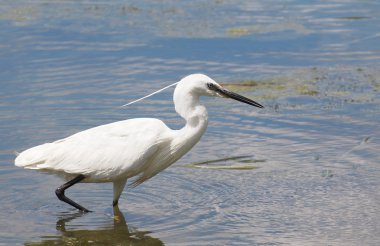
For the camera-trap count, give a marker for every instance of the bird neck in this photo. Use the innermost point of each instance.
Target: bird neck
(196, 121)
(191, 133)
(188, 106)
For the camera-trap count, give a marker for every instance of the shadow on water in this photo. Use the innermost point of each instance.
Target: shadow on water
(118, 234)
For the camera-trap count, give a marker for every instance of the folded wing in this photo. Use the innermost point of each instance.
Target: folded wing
(122, 149)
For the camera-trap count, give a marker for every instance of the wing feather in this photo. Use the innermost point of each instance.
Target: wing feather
(102, 153)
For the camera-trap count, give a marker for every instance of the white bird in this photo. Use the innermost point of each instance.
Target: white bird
(140, 147)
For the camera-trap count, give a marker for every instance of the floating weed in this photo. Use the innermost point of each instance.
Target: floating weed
(233, 167)
(221, 163)
(319, 83)
(270, 88)
(306, 90)
(267, 28)
(233, 158)
(241, 86)
(238, 31)
(354, 18)
(300, 83)
(251, 161)
(312, 82)
(376, 86)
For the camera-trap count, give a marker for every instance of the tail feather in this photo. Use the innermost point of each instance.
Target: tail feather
(33, 157)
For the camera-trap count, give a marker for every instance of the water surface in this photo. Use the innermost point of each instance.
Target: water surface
(314, 150)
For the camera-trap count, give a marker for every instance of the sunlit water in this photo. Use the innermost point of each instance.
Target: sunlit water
(315, 148)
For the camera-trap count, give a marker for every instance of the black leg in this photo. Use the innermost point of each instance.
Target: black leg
(60, 192)
(114, 203)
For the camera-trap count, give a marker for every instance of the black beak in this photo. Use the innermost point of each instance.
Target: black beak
(235, 96)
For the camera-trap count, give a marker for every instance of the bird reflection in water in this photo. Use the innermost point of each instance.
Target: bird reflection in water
(119, 234)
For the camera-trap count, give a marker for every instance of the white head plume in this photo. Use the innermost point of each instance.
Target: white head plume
(151, 94)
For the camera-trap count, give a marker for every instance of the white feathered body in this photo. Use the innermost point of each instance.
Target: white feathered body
(119, 150)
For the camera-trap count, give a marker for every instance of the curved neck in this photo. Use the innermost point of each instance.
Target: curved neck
(191, 133)
(196, 121)
(188, 107)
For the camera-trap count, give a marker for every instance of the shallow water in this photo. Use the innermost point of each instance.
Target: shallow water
(313, 152)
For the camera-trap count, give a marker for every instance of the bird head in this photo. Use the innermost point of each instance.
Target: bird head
(202, 85)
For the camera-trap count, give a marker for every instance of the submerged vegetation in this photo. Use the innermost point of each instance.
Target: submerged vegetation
(312, 82)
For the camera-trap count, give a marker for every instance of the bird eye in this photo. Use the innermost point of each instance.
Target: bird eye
(211, 86)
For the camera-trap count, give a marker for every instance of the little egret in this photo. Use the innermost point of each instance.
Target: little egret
(138, 148)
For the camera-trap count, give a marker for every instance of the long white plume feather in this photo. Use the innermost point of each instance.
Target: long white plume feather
(151, 94)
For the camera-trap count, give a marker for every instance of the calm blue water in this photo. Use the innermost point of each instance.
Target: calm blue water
(66, 66)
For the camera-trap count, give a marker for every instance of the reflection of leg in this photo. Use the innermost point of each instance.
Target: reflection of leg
(118, 187)
(61, 223)
(119, 219)
(60, 192)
